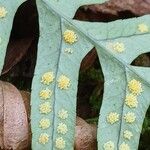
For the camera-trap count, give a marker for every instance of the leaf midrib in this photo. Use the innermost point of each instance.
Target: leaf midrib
(56, 74)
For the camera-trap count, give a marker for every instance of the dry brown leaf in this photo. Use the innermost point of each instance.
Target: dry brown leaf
(15, 52)
(13, 118)
(85, 135)
(89, 60)
(137, 7)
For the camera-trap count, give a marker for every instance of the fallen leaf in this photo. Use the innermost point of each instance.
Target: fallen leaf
(13, 118)
(15, 52)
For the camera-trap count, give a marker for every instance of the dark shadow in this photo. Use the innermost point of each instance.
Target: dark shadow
(90, 87)
(26, 21)
(142, 60)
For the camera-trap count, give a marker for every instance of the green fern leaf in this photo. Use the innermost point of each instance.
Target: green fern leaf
(63, 44)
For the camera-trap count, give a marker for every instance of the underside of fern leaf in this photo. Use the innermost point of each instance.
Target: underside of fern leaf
(63, 43)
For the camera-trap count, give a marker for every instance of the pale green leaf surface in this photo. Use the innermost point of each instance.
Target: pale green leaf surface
(51, 57)
(116, 79)
(69, 7)
(112, 30)
(54, 19)
(6, 25)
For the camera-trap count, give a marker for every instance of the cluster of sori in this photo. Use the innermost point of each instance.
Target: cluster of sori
(70, 37)
(131, 101)
(119, 46)
(3, 13)
(62, 128)
(45, 106)
(63, 83)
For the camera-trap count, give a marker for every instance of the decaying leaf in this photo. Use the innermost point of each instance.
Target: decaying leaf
(114, 7)
(89, 60)
(18, 48)
(26, 99)
(85, 135)
(13, 118)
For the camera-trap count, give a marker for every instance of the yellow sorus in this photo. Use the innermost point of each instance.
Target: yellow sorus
(60, 143)
(45, 94)
(131, 101)
(47, 78)
(124, 146)
(118, 47)
(135, 87)
(3, 12)
(63, 82)
(130, 117)
(109, 145)
(45, 108)
(44, 138)
(143, 28)
(44, 123)
(127, 134)
(113, 117)
(68, 50)
(62, 128)
(63, 114)
(70, 36)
